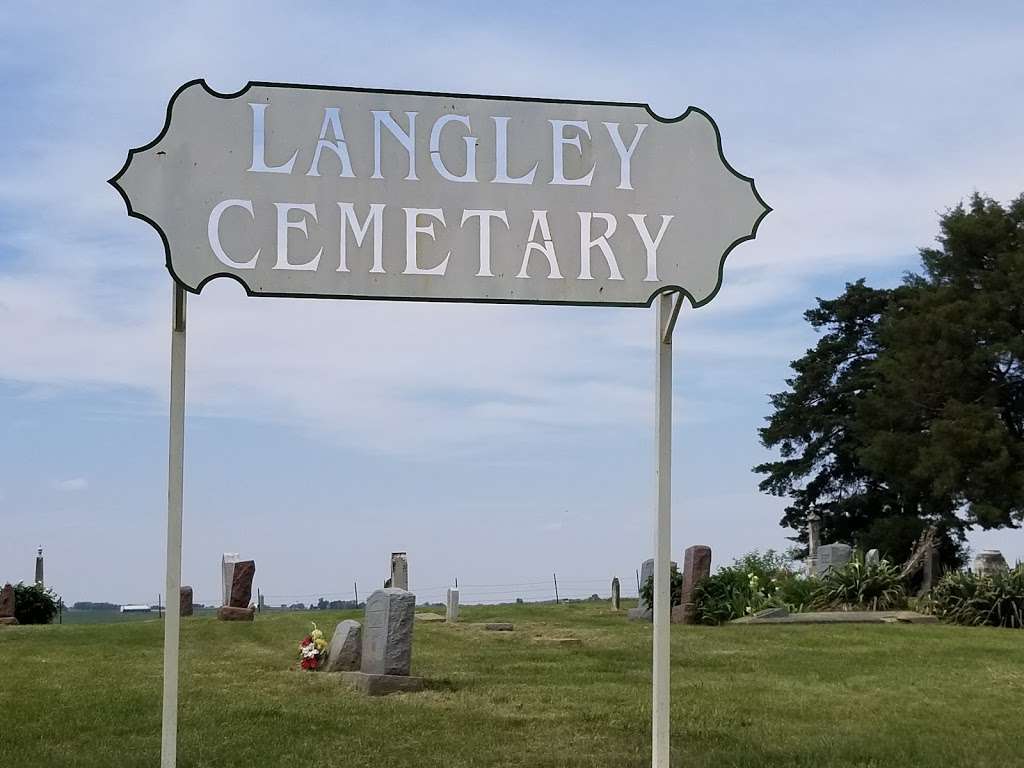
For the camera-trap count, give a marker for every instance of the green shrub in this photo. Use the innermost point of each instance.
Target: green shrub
(722, 597)
(676, 591)
(752, 583)
(34, 604)
(996, 600)
(856, 586)
(796, 591)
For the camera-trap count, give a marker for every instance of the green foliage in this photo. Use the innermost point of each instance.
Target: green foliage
(910, 408)
(752, 583)
(857, 586)
(965, 598)
(647, 588)
(723, 596)
(796, 591)
(34, 604)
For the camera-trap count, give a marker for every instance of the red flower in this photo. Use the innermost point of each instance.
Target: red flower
(308, 640)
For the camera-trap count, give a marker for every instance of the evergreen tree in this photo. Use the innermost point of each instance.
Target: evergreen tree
(910, 408)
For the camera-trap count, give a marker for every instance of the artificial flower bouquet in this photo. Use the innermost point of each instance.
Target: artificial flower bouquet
(313, 650)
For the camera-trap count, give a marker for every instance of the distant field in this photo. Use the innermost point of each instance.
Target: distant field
(71, 616)
(814, 696)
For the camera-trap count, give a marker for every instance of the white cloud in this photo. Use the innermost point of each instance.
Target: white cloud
(71, 484)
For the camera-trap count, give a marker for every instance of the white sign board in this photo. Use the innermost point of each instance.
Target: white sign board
(317, 191)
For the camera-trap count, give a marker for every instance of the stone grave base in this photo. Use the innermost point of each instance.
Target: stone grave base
(684, 614)
(565, 642)
(382, 685)
(640, 614)
(7, 621)
(230, 613)
(429, 617)
(844, 617)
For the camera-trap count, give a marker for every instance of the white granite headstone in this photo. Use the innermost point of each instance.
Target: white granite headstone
(452, 605)
(227, 575)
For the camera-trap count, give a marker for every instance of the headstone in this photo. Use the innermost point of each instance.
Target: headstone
(696, 568)
(344, 654)
(7, 605)
(452, 605)
(387, 632)
(989, 562)
(227, 569)
(39, 568)
(185, 602)
(399, 570)
(813, 542)
(872, 558)
(615, 594)
(643, 611)
(833, 556)
(241, 583)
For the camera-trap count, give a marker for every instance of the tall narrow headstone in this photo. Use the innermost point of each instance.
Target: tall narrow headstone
(387, 632)
(39, 568)
(813, 542)
(615, 594)
(185, 602)
(241, 583)
(452, 605)
(227, 570)
(696, 568)
(7, 605)
(399, 570)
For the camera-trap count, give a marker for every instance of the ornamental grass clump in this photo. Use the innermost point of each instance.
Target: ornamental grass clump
(995, 600)
(857, 586)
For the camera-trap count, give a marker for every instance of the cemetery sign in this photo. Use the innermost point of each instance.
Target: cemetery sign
(341, 192)
(318, 191)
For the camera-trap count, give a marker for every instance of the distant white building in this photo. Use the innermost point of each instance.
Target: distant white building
(136, 609)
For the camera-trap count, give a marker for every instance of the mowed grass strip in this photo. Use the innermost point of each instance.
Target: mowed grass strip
(89, 695)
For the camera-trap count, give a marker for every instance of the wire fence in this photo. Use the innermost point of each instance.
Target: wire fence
(539, 590)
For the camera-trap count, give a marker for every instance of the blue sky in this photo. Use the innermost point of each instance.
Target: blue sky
(497, 445)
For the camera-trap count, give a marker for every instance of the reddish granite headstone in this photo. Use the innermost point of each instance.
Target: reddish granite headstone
(7, 601)
(696, 568)
(241, 584)
(229, 613)
(185, 602)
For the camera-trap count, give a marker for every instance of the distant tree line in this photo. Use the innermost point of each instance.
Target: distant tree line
(910, 408)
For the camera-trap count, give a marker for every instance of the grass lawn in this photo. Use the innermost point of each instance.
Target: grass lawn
(89, 695)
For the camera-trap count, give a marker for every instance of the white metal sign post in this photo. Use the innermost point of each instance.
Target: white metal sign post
(324, 192)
